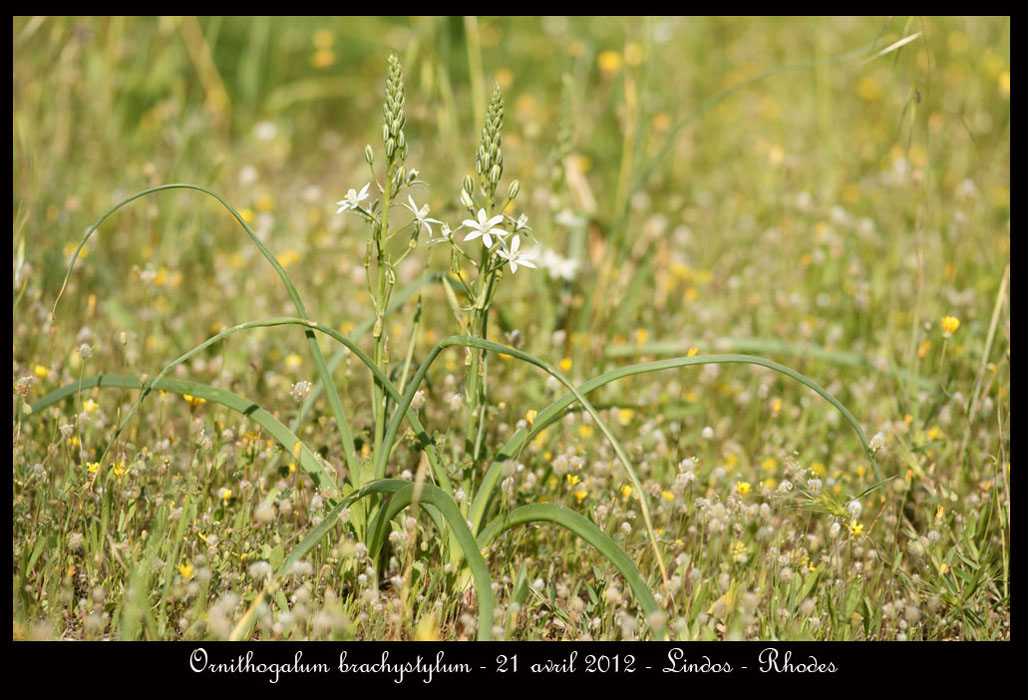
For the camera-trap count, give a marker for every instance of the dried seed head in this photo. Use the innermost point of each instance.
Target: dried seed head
(300, 391)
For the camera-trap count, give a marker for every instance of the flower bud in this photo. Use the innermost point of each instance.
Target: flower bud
(512, 191)
(469, 184)
(369, 155)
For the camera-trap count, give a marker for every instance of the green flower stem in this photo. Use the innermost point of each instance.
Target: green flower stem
(381, 304)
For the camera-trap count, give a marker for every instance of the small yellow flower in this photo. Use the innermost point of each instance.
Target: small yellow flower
(186, 570)
(923, 350)
(662, 122)
(856, 529)
(743, 487)
(565, 364)
(504, 77)
(323, 39)
(769, 464)
(869, 89)
(950, 324)
(938, 514)
(119, 469)
(194, 400)
(41, 371)
(668, 496)
(573, 479)
(579, 495)
(323, 58)
(93, 467)
(626, 491)
(91, 406)
(530, 416)
(818, 468)
(641, 334)
(293, 361)
(739, 552)
(625, 416)
(226, 495)
(288, 257)
(609, 62)
(692, 352)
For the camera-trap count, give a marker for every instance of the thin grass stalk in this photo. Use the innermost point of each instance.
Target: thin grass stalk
(583, 528)
(552, 413)
(349, 450)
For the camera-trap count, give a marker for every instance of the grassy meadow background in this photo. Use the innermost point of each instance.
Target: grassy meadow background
(800, 189)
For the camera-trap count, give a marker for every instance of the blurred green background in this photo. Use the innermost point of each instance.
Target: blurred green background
(715, 156)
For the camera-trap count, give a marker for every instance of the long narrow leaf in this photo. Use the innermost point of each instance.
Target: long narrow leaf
(403, 492)
(555, 410)
(349, 449)
(464, 341)
(581, 526)
(287, 438)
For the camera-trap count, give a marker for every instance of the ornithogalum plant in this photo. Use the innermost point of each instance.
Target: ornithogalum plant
(457, 490)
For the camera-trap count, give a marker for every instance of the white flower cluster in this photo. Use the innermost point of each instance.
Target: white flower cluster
(489, 228)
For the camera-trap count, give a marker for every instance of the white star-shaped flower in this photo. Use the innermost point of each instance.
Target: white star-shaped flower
(421, 215)
(353, 199)
(445, 234)
(521, 224)
(515, 256)
(486, 228)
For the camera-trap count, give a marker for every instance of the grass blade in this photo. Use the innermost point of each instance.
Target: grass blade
(326, 378)
(582, 527)
(402, 492)
(463, 341)
(285, 437)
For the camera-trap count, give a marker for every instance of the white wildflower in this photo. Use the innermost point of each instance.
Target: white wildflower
(353, 199)
(421, 215)
(486, 228)
(514, 257)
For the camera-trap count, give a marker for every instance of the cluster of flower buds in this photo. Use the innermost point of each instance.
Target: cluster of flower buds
(392, 128)
(489, 158)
